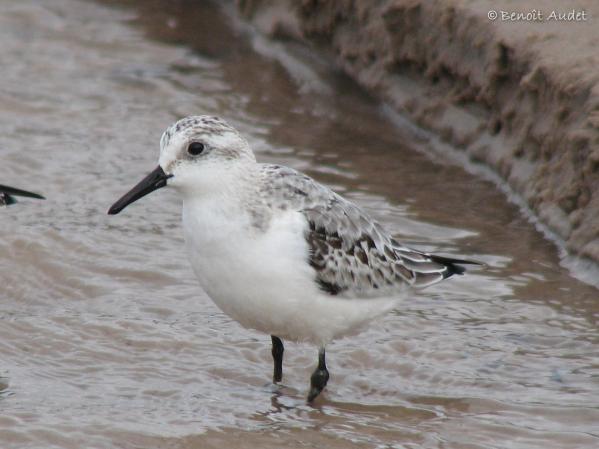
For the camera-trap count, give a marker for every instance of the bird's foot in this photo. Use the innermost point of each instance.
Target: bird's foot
(318, 381)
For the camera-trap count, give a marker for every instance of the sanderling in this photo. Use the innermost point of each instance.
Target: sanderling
(7, 193)
(277, 251)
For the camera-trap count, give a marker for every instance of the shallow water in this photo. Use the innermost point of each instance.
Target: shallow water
(106, 339)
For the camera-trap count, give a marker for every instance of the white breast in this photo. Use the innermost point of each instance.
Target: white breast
(262, 278)
(253, 276)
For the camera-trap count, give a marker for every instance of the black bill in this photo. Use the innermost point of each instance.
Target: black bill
(155, 180)
(18, 192)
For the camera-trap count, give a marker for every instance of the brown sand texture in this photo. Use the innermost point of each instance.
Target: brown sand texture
(513, 84)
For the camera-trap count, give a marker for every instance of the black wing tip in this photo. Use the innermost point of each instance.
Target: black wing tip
(454, 266)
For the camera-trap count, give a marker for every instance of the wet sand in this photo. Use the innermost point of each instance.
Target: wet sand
(512, 85)
(106, 339)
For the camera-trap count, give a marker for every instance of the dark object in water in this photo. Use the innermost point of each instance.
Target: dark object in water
(7, 195)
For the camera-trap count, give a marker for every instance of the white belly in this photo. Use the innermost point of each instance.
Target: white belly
(263, 279)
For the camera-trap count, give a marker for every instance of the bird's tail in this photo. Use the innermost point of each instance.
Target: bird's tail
(454, 266)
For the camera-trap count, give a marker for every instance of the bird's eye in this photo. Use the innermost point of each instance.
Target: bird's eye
(195, 148)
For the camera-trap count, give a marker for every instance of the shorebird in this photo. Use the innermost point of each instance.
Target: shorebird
(6, 195)
(277, 251)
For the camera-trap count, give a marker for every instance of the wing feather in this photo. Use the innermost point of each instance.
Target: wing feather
(351, 254)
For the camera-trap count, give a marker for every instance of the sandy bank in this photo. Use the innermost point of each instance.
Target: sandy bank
(519, 93)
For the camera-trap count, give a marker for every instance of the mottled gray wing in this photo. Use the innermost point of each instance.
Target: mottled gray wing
(351, 253)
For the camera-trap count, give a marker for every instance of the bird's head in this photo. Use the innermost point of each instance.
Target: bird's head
(197, 154)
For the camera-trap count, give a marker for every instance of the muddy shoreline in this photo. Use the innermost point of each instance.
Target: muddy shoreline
(519, 96)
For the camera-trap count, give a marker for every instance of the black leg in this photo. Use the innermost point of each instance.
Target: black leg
(319, 378)
(277, 355)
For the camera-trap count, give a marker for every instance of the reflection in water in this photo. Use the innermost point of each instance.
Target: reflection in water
(107, 340)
